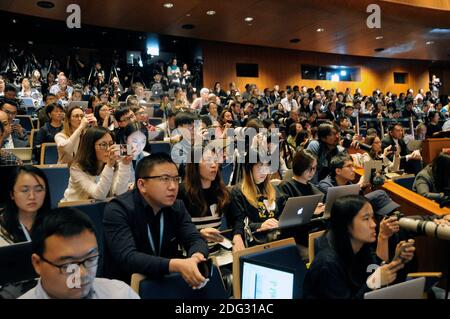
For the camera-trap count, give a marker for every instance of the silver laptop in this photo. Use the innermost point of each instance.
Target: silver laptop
(411, 289)
(334, 193)
(299, 210)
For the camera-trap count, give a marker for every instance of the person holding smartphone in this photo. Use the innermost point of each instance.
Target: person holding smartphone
(98, 171)
(18, 136)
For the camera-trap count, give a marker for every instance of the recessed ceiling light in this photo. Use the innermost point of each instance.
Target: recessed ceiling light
(211, 12)
(379, 49)
(248, 19)
(380, 37)
(188, 15)
(188, 26)
(14, 21)
(295, 40)
(429, 42)
(45, 4)
(168, 5)
(320, 30)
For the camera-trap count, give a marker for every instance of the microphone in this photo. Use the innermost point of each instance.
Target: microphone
(422, 227)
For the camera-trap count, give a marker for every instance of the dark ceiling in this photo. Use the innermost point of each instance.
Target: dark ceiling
(413, 29)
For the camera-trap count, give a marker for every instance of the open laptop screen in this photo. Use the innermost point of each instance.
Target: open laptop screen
(266, 282)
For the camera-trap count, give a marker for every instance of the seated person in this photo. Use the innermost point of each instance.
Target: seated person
(144, 227)
(206, 197)
(434, 179)
(46, 133)
(324, 149)
(377, 154)
(98, 171)
(68, 140)
(255, 202)
(6, 157)
(434, 124)
(63, 240)
(29, 197)
(410, 162)
(304, 167)
(340, 269)
(342, 172)
(17, 137)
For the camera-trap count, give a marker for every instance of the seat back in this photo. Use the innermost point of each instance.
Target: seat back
(173, 286)
(26, 122)
(155, 121)
(58, 179)
(156, 147)
(49, 153)
(15, 263)
(312, 242)
(406, 182)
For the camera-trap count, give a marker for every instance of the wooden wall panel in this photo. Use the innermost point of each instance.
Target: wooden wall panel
(283, 67)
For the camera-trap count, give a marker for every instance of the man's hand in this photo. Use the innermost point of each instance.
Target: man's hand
(211, 234)
(388, 227)
(18, 129)
(269, 224)
(188, 268)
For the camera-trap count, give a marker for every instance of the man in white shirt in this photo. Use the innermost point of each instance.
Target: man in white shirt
(288, 102)
(65, 255)
(61, 89)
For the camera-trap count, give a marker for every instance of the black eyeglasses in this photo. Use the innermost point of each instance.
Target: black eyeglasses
(165, 179)
(88, 263)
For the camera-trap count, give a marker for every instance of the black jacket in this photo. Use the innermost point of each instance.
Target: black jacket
(126, 223)
(388, 140)
(330, 278)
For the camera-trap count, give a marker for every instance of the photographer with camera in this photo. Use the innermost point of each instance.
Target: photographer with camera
(433, 182)
(375, 153)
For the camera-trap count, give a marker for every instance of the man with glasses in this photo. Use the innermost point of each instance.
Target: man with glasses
(6, 158)
(342, 172)
(144, 227)
(17, 136)
(123, 116)
(65, 255)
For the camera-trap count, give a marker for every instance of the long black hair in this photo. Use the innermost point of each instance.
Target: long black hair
(441, 171)
(343, 213)
(10, 218)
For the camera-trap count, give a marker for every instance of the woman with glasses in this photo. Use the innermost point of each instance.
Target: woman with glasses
(68, 140)
(377, 154)
(254, 202)
(28, 198)
(206, 197)
(346, 258)
(104, 118)
(98, 170)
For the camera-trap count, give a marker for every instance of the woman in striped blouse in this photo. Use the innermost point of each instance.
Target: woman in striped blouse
(206, 197)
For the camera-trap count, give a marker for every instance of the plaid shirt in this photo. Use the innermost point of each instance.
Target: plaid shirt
(9, 159)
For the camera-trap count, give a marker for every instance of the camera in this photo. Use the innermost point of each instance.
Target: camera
(423, 227)
(348, 139)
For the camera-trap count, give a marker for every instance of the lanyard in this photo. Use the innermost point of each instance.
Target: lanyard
(161, 231)
(25, 232)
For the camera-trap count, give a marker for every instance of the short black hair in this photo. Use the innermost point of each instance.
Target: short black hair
(184, 118)
(338, 161)
(324, 130)
(121, 111)
(66, 222)
(10, 87)
(302, 161)
(49, 109)
(147, 163)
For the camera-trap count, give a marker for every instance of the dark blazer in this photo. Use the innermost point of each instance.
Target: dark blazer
(126, 223)
(388, 140)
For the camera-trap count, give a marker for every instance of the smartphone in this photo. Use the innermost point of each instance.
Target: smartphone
(16, 122)
(205, 268)
(88, 111)
(125, 150)
(394, 148)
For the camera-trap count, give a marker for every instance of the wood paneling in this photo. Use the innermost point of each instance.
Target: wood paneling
(283, 67)
(405, 28)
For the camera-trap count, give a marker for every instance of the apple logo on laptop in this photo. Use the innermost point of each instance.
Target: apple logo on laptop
(300, 211)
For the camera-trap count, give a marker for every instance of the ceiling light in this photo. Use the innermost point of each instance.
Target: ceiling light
(211, 12)
(429, 42)
(188, 14)
(14, 21)
(45, 4)
(168, 5)
(248, 19)
(320, 30)
(380, 37)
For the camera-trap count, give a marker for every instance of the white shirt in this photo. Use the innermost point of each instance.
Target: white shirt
(9, 143)
(101, 289)
(446, 125)
(55, 89)
(288, 105)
